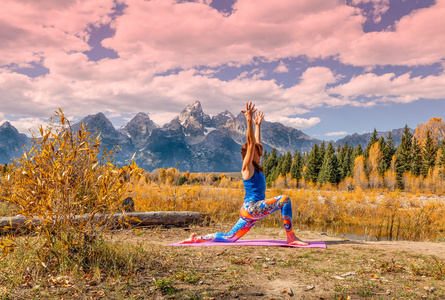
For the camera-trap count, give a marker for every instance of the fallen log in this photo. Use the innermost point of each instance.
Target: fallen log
(131, 219)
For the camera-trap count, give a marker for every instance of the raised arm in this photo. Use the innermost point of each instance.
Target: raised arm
(248, 168)
(259, 116)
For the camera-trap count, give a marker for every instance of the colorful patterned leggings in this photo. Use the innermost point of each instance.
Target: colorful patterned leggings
(250, 213)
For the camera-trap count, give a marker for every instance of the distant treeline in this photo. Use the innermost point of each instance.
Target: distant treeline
(418, 163)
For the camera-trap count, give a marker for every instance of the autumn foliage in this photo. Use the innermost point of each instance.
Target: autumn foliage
(66, 173)
(416, 165)
(368, 213)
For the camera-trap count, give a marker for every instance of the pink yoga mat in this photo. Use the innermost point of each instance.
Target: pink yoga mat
(313, 244)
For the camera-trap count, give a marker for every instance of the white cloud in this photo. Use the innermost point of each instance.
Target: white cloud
(336, 133)
(28, 125)
(299, 123)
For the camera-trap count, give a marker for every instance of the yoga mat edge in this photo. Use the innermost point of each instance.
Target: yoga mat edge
(313, 244)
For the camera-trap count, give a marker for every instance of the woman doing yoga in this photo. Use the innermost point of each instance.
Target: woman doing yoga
(255, 206)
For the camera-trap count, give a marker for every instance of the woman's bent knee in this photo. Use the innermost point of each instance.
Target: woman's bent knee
(285, 199)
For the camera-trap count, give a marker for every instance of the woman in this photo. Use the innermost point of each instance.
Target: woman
(255, 207)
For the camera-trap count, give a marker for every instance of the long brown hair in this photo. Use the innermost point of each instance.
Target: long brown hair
(259, 147)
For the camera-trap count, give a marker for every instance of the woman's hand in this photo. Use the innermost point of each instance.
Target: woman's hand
(250, 110)
(259, 116)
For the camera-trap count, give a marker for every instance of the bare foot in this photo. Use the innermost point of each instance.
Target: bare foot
(297, 242)
(192, 239)
(293, 240)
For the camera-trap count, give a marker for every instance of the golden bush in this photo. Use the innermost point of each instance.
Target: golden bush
(66, 174)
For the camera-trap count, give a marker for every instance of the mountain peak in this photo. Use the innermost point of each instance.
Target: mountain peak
(100, 123)
(99, 117)
(193, 119)
(139, 129)
(196, 104)
(141, 120)
(11, 143)
(193, 109)
(140, 116)
(227, 114)
(6, 125)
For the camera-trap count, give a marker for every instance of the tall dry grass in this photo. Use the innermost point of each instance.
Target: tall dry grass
(381, 214)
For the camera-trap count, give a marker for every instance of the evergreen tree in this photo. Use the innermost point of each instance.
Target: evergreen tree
(390, 145)
(264, 157)
(404, 156)
(287, 164)
(382, 143)
(417, 158)
(297, 167)
(442, 158)
(305, 157)
(322, 150)
(371, 142)
(329, 168)
(389, 151)
(429, 152)
(270, 163)
(313, 164)
(355, 153)
(279, 169)
(383, 163)
(341, 156)
(275, 173)
(345, 162)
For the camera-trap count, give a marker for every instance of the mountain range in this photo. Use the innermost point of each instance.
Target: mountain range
(192, 141)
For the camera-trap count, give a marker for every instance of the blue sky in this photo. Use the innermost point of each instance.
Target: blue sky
(329, 68)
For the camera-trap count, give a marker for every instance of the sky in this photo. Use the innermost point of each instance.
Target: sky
(327, 67)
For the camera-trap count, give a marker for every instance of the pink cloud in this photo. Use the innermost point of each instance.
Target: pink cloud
(418, 39)
(190, 34)
(389, 88)
(380, 7)
(31, 30)
(158, 35)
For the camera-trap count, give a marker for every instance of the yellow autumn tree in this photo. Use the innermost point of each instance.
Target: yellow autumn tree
(436, 128)
(372, 166)
(390, 180)
(360, 178)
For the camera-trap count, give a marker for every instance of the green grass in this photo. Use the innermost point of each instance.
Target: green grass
(190, 276)
(165, 285)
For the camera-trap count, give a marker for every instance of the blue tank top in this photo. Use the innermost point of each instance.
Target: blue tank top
(255, 187)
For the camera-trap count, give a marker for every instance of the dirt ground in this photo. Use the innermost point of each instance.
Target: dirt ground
(347, 269)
